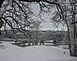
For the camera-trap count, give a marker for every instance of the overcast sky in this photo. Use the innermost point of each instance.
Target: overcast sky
(47, 24)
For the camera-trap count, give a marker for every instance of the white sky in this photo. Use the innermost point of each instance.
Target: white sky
(47, 24)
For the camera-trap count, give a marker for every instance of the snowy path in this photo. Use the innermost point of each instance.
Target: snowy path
(34, 53)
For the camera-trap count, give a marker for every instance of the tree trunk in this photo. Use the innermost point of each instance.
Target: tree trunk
(0, 32)
(73, 36)
(73, 42)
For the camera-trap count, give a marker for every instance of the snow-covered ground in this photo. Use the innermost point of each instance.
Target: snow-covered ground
(34, 53)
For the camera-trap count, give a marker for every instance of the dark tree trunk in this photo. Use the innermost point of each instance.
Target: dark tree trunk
(0, 32)
(74, 41)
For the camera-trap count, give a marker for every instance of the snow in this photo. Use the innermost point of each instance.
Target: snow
(34, 53)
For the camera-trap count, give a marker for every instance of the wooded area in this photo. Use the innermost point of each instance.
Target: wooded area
(20, 17)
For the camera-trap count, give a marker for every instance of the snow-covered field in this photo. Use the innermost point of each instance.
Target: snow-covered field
(34, 53)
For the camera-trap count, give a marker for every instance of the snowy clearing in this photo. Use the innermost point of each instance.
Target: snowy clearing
(34, 53)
